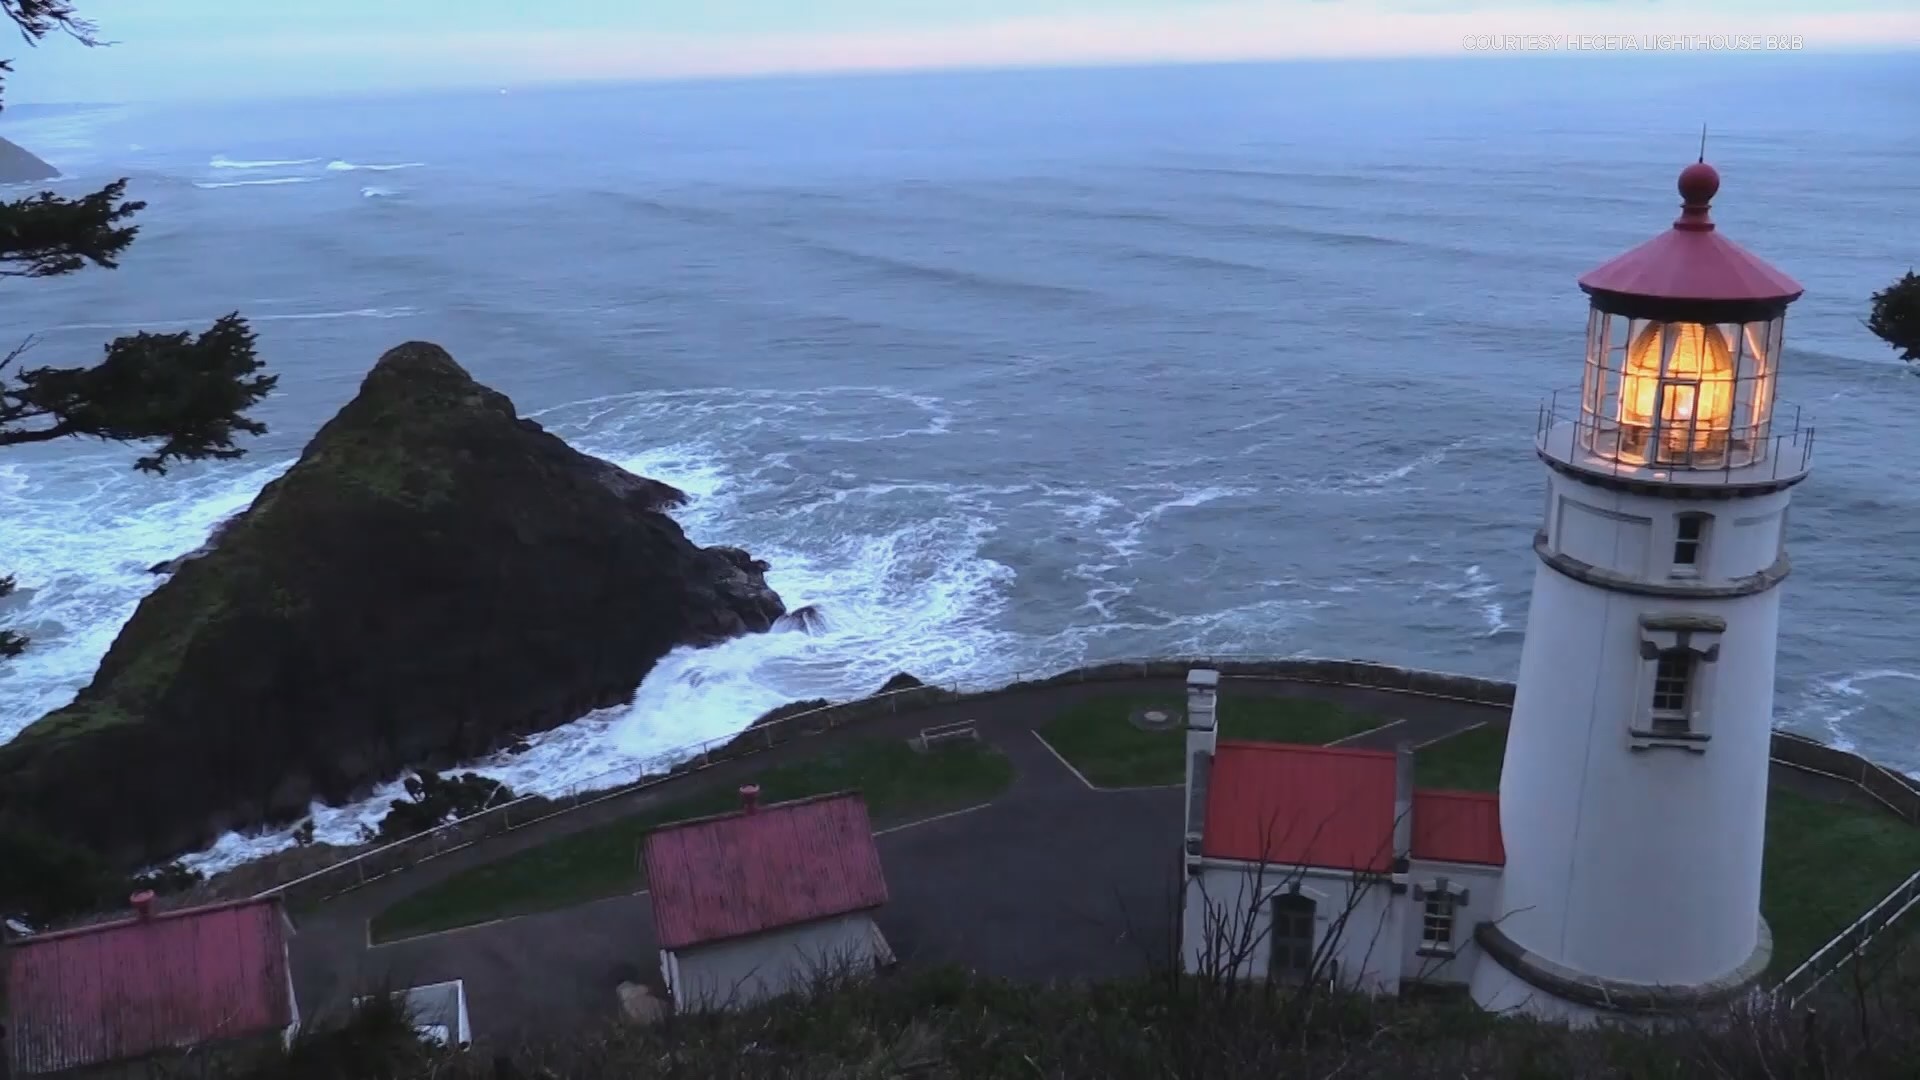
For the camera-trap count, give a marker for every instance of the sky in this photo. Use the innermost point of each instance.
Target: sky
(172, 49)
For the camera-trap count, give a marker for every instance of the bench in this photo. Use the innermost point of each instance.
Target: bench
(960, 729)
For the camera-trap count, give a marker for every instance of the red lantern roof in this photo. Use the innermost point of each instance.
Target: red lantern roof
(1692, 260)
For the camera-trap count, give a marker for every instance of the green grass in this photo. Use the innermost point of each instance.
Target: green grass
(1100, 740)
(1826, 863)
(897, 782)
(1469, 761)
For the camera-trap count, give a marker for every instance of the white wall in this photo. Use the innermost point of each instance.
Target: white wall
(747, 970)
(1231, 901)
(1482, 885)
(1633, 534)
(1639, 864)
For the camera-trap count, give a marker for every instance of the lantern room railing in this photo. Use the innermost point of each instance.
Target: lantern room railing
(1780, 449)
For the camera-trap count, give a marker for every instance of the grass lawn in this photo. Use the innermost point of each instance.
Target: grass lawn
(898, 783)
(1826, 863)
(1469, 761)
(1099, 739)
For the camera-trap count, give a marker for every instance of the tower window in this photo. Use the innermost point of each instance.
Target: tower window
(1672, 688)
(1436, 923)
(1690, 533)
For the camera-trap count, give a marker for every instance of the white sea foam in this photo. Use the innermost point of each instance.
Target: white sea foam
(221, 161)
(1834, 701)
(915, 595)
(401, 312)
(274, 181)
(374, 191)
(348, 166)
(1477, 589)
(80, 536)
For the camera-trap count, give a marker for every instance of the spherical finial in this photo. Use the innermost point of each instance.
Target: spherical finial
(1698, 183)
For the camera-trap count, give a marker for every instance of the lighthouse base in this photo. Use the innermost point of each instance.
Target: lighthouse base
(1511, 979)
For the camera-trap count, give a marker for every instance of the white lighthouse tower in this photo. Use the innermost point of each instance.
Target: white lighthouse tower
(1633, 798)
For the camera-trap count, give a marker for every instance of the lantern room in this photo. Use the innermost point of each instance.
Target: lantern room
(1682, 359)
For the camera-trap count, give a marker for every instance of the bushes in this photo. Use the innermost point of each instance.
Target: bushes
(947, 1024)
(47, 881)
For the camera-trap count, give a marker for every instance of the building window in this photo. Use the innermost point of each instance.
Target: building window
(1436, 924)
(1672, 689)
(1292, 937)
(1690, 534)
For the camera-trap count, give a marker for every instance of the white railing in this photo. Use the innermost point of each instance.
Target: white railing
(371, 865)
(1848, 944)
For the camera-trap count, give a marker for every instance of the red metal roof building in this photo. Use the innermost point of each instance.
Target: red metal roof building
(1334, 808)
(1458, 826)
(762, 868)
(1301, 806)
(124, 990)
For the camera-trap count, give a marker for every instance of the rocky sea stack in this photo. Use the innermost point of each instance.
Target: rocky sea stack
(433, 578)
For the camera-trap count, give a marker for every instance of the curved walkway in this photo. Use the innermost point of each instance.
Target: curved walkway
(1053, 879)
(1050, 880)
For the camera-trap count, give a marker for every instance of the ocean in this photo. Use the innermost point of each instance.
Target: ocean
(1010, 372)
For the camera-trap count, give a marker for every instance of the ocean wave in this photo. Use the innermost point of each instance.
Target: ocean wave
(80, 536)
(906, 589)
(1834, 702)
(348, 166)
(373, 191)
(269, 182)
(355, 313)
(220, 161)
(185, 324)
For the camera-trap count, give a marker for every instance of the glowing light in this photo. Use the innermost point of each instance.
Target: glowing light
(1688, 401)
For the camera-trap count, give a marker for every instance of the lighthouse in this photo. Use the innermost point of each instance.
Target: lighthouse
(1634, 793)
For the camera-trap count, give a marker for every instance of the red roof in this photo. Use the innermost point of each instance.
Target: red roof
(127, 989)
(1692, 260)
(1458, 826)
(1301, 805)
(762, 869)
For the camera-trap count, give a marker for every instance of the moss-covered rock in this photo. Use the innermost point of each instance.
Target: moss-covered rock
(432, 579)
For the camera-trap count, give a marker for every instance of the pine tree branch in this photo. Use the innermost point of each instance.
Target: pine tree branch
(46, 235)
(189, 393)
(35, 19)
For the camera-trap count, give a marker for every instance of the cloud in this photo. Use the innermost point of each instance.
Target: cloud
(1227, 30)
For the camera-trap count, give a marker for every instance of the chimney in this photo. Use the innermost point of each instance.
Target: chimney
(143, 904)
(1403, 800)
(750, 797)
(1203, 686)
(1202, 734)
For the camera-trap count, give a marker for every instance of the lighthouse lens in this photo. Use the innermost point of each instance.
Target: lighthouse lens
(1676, 395)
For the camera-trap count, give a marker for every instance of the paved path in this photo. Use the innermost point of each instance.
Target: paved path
(1052, 880)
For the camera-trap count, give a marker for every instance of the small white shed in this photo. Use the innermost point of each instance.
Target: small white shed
(438, 1011)
(765, 901)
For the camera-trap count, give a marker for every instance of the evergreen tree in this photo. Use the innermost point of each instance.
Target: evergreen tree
(180, 396)
(1895, 316)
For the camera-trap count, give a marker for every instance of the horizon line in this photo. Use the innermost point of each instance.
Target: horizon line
(852, 73)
